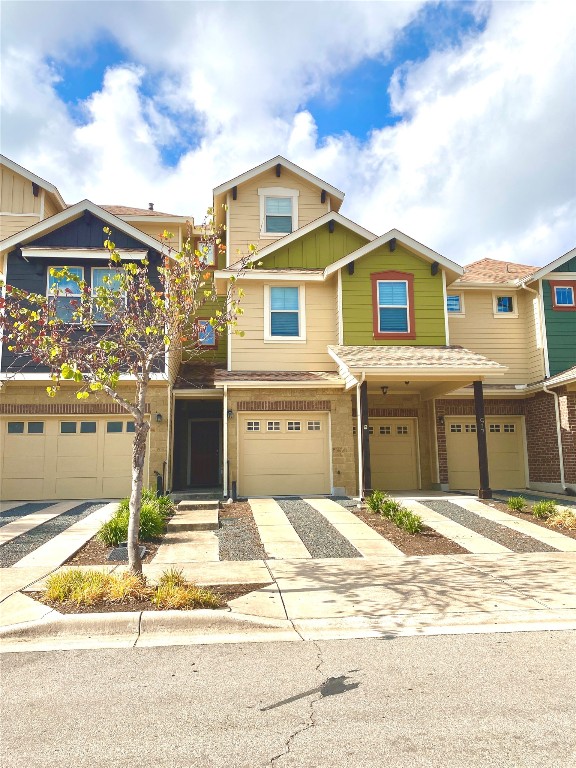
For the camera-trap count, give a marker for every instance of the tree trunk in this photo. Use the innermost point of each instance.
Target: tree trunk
(142, 428)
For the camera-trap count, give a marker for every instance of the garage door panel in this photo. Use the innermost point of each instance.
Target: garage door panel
(393, 454)
(77, 445)
(281, 461)
(116, 487)
(77, 488)
(28, 490)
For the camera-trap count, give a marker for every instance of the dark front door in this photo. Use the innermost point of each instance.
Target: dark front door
(204, 452)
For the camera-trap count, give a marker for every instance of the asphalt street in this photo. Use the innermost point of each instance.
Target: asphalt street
(489, 701)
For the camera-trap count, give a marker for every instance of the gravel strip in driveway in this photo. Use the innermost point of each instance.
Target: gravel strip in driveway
(319, 536)
(517, 542)
(21, 546)
(238, 536)
(26, 509)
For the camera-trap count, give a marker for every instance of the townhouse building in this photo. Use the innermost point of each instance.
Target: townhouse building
(364, 360)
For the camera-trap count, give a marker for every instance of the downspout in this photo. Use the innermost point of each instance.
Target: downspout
(359, 436)
(540, 325)
(225, 443)
(558, 434)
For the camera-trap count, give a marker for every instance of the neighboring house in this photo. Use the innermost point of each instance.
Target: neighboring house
(363, 361)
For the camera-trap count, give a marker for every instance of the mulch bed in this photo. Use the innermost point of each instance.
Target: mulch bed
(426, 543)
(95, 552)
(226, 591)
(530, 518)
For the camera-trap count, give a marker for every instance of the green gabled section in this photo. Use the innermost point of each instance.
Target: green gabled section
(560, 326)
(316, 249)
(357, 310)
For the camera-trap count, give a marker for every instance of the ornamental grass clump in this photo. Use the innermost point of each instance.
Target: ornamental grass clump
(408, 521)
(516, 503)
(154, 513)
(171, 596)
(563, 518)
(544, 509)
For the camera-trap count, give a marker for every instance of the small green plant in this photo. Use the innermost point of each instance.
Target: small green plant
(390, 508)
(408, 521)
(375, 501)
(172, 577)
(544, 509)
(153, 516)
(516, 503)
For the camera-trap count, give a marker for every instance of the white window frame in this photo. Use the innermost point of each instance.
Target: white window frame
(394, 306)
(51, 295)
(564, 288)
(514, 297)
(301, 315)
(462, 311)
(263, 193)
(122, 296)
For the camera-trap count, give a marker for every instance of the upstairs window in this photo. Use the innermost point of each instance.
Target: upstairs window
(278, 211)
(563, 295)
(110, 279)
(208, 253)
(455, 304)
(504, 305)
(206, 334)
(64, 293)
(393, 305)
(284, 313)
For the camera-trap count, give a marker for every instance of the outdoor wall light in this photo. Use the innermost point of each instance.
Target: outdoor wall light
(384, 390)
(441, 421)
(158, 418)
(230, 414)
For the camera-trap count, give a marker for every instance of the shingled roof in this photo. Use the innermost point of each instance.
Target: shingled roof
(495, 271)
(125, 210)
(400, 357)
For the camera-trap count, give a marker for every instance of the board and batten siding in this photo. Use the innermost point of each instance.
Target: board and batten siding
(251, 353)
(156, 231)
(244, 223)
(357, 307)
(16, 195)
(560, 325)
(316, 250)
(510, 341)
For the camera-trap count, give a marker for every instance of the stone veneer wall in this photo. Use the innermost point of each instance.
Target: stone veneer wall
(465, 407)
(28, 397)
(338, 403)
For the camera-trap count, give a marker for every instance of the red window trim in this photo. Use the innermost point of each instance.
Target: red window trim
(563, 284)
(408, 277)
(205, 346)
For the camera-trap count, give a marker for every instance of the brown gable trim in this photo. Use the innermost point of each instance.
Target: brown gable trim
(284, 405)
(65, 409)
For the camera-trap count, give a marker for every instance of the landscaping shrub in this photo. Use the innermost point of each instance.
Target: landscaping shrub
(544, 509)
(516, 503)
(563, 518)
(375, 500)
(408, 521)
(170, 596)
(390, 508)
(153, 515)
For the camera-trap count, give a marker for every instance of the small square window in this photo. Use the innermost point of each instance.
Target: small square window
(253, 426)
(294, 426)
(67, 427)
(470, 427)
(207, 251)
(15, 427)
(386, 430)
(314, 426)
(87, 427)
(455, 427)
(206, 333)
(494, 428)
(273, 426)
(454, 304)
(35, 427)
(563, 296)
(509, 428)
(113, 427)
(402, 430)
(504, 304)
(130, 426)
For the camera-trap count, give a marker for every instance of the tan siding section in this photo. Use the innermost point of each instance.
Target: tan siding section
(252, 353)
(50, 207)
(244, 214)
(16, 194)
(507, 340)
(156, 231)
(11, 225)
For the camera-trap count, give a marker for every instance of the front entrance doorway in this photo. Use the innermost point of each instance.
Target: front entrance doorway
(204, 452)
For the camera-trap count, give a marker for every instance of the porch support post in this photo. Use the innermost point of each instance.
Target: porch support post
(484, 492)
(366, 469)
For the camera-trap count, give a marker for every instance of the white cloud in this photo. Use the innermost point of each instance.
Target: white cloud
(480, 163)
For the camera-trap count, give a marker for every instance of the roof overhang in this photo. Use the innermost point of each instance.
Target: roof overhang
(128, 254)
(32, 177)
(71, 214)
(550, 267)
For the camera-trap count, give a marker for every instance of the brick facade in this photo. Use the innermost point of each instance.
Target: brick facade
(542, 440)
(568, 426)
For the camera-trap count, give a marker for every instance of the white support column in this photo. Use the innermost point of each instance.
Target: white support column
(225, 443)
(359, 437)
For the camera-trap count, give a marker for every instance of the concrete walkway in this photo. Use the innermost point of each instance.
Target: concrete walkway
(18, 527)
(278, 537)
(187, 547)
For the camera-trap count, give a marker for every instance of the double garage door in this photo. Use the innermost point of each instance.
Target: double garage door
(283, 454)
(65, 457)
(506, 455)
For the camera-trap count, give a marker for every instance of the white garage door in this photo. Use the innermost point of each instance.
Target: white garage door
(505, 441)
(393, 454)
(66, 457)
(283, 454)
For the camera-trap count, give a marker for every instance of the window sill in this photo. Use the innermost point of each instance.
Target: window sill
(284, 340)
(394, 336)
(509, 315)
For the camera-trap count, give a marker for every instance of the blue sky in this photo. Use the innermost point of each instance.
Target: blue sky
(433, 117)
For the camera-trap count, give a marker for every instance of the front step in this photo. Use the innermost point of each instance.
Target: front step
(192, 517)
